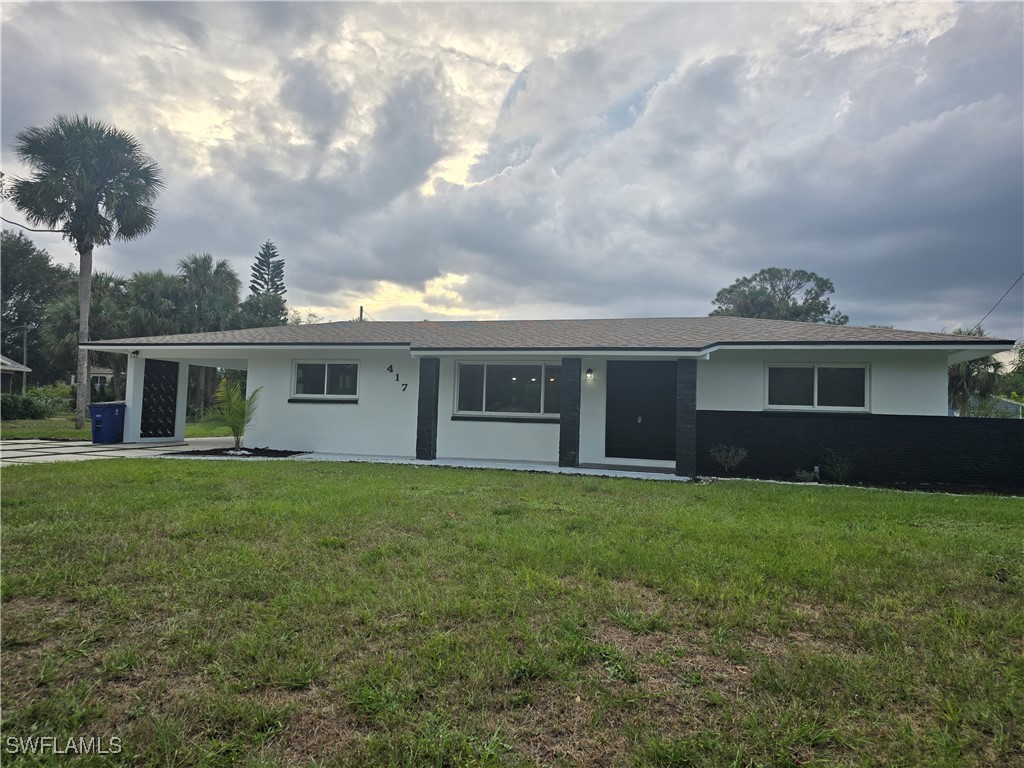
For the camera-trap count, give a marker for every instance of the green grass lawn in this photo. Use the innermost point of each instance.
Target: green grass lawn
(63, 428)
(291, 613)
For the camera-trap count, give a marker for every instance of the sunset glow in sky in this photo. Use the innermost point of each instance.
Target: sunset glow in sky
(545, 160)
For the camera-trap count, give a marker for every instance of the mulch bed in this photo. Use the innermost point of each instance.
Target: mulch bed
(245, 453)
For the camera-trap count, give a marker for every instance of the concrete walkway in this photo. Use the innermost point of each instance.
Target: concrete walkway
(49, 451)
(13, 452)
(520, 466)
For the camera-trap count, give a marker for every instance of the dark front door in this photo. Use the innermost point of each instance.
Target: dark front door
(640, 415)
(159, 399)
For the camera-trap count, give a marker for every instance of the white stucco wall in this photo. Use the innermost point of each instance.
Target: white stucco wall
(510, 441)
(382, 423)
(134, 380)
(910, 383)
(900, 382)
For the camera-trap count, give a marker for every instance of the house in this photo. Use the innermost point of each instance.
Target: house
(993, 405)
(8, 368)
(99, 378)
(655, 393)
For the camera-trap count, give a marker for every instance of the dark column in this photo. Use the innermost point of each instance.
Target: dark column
(569, 420)
(426, 413)
(686, 417)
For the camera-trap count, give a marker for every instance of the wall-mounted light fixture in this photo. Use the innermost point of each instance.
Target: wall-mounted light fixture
(135, 353)
(590, 373)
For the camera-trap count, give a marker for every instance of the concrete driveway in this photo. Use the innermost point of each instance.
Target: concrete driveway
(14, 452)
(48, 451)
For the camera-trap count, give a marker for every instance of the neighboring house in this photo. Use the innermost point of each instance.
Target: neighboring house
(98, 378)
(656, 393)
(8, 369)
(998, 407)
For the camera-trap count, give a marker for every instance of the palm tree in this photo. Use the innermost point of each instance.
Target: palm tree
(977, 378)
(93, 183)
(154, 303)
(209, 302)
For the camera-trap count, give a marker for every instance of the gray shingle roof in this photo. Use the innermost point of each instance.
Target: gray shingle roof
(657, 333)
(12, 366)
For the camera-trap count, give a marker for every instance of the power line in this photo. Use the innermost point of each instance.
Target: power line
(1019, 278)
(29, 229)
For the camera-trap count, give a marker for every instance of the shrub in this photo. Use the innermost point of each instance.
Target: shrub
(233, 409)
(52, 400)
(835, 468)
(728, 457)
(19, 407)
(805, 476)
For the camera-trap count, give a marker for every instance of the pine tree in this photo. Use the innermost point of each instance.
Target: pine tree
(265, 306)
(268, 272)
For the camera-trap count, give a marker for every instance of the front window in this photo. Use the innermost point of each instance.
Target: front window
(322, 379)
(818, 387)
(508, 388)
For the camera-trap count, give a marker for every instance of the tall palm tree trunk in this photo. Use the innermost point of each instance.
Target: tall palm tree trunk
(115, 383)
(200, 401)
(84, 299)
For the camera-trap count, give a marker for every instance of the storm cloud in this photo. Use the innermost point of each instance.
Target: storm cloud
(509, 161)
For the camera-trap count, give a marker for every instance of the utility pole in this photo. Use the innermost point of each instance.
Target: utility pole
(24, 357)
(360, 313)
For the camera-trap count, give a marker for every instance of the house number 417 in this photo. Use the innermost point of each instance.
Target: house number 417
(391, 369)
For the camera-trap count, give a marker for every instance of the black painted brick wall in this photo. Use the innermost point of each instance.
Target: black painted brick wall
(426, 408)
(686, 417)
(569, 418)
(915, 450)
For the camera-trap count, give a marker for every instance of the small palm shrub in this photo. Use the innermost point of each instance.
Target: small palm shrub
(232, 409)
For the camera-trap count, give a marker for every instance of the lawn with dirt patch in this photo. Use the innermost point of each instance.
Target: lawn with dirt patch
(213, 613)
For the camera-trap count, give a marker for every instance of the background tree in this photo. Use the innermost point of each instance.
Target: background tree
(1011, 383)
(780, 294)
(262, 310)
(153, 304)
(209, 302)
(977, 378)
(29, 281)
(93, 183)
(59, 329)
(265, 306)
(268, 271)
(296, 317)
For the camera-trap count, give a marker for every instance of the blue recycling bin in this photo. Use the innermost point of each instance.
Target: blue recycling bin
(107, 422)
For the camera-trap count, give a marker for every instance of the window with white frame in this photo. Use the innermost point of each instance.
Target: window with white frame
(824, 387)
(508, 389)
(315, 378)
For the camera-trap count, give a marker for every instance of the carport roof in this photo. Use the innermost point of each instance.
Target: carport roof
(656, 334)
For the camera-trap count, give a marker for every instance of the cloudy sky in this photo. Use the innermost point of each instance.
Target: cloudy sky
(542, 160)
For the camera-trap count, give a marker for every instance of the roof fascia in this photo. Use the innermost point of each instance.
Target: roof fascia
(534, 352)
(974, 350)
(234, 348)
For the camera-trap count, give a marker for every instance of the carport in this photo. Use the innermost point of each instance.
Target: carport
(156, 389)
